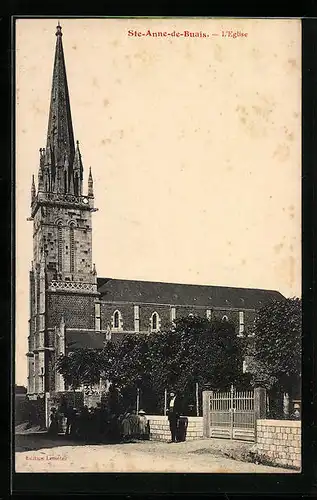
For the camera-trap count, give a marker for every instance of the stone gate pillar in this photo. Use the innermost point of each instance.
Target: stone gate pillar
(259, 402)
(206, 413)
(259, 406)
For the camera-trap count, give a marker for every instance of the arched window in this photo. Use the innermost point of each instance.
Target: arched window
(116, 319)
(224, 318)
(71, 249)
(155, 322)
(60, 245)
(117, 322)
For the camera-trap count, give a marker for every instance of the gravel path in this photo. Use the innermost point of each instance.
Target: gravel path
(39, 454)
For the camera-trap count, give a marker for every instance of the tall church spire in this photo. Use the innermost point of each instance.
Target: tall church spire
(60, 136)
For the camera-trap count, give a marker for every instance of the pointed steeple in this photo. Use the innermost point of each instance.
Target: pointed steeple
(40, 185)
(60, 136)
(33, 192)
(77, 171)
(90, 184)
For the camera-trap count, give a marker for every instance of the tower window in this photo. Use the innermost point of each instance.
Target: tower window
(224, 318)
(76, 185)
(72, 249)
(60, 246)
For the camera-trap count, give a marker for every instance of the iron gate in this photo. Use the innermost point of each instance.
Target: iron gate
(232, 415)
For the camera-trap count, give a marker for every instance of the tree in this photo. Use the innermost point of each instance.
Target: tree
(192, 350)
(195, 350)
(276, 348)
(81, 367)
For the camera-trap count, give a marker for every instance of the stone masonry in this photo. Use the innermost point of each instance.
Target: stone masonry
(280, 440)
(160, 431)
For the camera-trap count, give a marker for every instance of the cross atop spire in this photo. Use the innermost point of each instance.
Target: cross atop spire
(58, 30)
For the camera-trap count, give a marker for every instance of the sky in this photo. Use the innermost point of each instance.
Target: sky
(194, 145)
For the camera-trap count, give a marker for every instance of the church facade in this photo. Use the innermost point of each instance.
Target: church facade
(70, 306)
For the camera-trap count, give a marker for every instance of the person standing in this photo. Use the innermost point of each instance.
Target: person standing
(173, 415)
(134, 423)
(71, 416)
(53, 428)
(143, 426)
(126, 426)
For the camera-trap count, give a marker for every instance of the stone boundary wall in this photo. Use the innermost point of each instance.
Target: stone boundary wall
(160, 430)
(280, 440)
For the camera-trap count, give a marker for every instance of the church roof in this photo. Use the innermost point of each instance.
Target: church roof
(118, 290)
(76, 339)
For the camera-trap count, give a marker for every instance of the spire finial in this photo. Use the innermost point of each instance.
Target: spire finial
(58, 30)
(90, 184)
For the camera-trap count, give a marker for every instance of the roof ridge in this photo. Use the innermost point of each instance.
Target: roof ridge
(188, 284)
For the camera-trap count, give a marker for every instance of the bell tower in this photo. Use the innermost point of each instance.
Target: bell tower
(62, 276)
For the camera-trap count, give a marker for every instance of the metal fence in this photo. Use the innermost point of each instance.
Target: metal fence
(232, 414)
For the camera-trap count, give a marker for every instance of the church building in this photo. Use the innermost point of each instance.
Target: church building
(70, 306)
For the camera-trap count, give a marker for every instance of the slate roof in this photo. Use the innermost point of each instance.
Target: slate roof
(76, 339)
(118, 290)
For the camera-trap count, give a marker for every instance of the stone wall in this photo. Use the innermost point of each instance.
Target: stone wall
(280, 440)
(164, 311)
(78, 310)
(160, 430)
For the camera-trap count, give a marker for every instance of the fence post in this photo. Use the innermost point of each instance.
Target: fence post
(165, 402)
(231, 410)
(47, 410)
(206, 413)
(259, 406)
(197, 400)
(137, 400)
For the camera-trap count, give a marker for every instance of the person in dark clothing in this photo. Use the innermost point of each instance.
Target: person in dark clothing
(173, 414)
(53, 428)
(70, 423)
(84, 423)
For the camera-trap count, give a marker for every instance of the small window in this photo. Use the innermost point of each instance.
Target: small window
(117, 322)
(116, 319)
(155, 322)
(224, 318)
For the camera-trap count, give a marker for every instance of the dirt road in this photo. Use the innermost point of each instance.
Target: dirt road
(40, 454)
